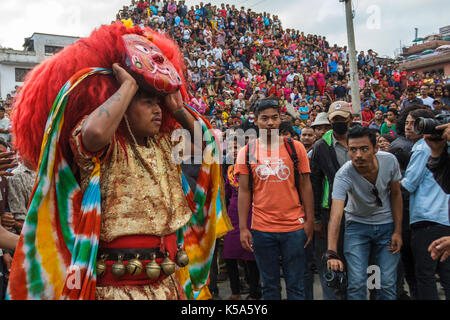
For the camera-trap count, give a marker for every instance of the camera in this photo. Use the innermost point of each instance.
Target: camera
(428, 126)
(336, 280)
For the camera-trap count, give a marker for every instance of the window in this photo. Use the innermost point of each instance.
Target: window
(21, 73)
(52, 49)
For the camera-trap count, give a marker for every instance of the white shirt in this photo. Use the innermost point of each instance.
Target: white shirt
(4, 124)
(290, 77)
(201, 62)
(344, 55)
(160, 5)
(186, 34)
(245, 39)
(217, 53)
(428, 101)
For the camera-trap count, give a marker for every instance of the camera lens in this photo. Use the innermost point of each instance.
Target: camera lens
(418, 125)
(425, 125)
(329, 275)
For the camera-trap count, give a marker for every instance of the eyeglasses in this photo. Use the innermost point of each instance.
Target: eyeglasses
(377, 198)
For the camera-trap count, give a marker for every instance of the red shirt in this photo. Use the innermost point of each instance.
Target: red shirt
(272, 91)
(396, 76)
(142, 5)
(223, 13)
(367, 115)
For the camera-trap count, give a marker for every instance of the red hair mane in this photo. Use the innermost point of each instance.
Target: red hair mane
(102, 48)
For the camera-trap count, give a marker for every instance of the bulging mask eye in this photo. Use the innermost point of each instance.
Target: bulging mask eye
(143, 49)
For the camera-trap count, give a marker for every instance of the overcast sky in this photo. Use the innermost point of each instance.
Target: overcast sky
(379, 24)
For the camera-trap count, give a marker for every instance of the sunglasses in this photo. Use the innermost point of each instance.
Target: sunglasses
(377, 198)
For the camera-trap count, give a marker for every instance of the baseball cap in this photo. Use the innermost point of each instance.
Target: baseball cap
(339, 108)
(322, 118)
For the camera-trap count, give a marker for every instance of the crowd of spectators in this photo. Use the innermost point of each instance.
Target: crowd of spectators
(5, 123)
(235, 57)
(12, 222)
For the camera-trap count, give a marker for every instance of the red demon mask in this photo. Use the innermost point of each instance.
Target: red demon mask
(148, 65)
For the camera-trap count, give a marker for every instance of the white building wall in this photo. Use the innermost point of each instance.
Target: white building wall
(7, 80)
(42, 40)
(12, 59)
(9, 61)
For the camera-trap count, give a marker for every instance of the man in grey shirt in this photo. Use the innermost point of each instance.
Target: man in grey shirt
(373, 215)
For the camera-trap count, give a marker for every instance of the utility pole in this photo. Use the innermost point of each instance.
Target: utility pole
(354, 79)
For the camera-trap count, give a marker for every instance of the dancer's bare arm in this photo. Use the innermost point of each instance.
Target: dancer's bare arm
(100, 126)
(174, 103)
(8, 240)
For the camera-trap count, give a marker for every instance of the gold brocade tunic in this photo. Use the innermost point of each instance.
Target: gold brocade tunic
(136, 201)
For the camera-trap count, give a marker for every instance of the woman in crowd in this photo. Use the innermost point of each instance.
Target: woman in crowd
(233, 253)
(385, 141)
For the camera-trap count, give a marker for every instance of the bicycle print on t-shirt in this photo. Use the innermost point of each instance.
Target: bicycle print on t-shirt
(275, 168)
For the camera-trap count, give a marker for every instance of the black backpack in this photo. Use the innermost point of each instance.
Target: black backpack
(289, 144)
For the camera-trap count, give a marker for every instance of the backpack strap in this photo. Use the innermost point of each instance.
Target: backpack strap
(249, 157)
(247, 162)
(294, 157)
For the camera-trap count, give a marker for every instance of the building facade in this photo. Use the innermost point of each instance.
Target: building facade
(15, 64)
(432, 55)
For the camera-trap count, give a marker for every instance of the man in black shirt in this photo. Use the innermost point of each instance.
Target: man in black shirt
(411, 98)
(340, 92)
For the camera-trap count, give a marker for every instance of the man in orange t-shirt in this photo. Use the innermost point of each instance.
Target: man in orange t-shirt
(281, 225)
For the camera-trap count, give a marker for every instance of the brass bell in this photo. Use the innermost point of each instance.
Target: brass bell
(101, 266)
(152, 269)
(118, 269)
(168, 266)
(181, 258)
(134, 266)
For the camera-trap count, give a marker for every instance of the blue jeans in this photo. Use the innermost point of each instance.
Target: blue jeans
(308, 279)
(268, 247)
(359, 239)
